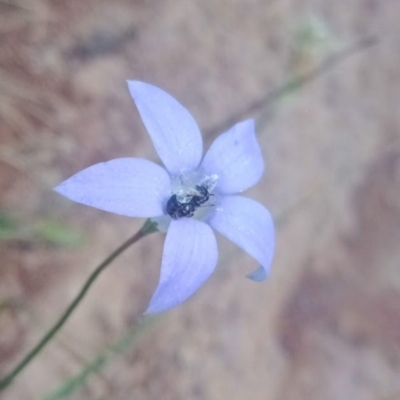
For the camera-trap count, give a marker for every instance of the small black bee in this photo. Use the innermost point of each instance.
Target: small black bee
(179, 209)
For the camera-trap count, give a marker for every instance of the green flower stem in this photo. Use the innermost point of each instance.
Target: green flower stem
(128, 342)
(146, 229)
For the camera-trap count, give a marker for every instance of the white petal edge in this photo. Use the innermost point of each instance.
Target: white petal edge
(133, 187)
(235, 156)
(249, 225)
(189, 258)
(174, 132)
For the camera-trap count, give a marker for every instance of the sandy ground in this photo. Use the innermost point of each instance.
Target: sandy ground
(326, 325)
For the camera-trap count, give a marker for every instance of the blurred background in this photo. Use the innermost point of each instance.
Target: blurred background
(326, 325)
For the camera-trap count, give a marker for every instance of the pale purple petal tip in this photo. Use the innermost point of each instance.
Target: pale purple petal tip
(235, 156)
(189, 258)
(249, 225)
(174, 132)
(259, 275)
(132, 187)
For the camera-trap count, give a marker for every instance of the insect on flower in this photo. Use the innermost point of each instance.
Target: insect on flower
(189, 197)
(188, 204)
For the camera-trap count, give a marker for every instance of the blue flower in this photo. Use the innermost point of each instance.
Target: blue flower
(187, 198)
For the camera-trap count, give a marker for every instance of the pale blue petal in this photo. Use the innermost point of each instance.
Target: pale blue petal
(189, 258)
(235, 156)
(249, 225)
(259, 275)
(128, 186)
(174, 132)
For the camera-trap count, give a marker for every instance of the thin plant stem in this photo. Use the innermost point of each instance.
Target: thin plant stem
(294, 83)
(70, 386)
(146, 229)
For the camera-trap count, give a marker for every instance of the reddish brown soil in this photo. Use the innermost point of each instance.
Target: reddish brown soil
(327, 323)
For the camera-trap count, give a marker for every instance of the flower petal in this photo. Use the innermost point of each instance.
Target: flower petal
(189, 258)
(235, 156)
(128, 186)
(249, 225)
(259, 275)
(174, 132)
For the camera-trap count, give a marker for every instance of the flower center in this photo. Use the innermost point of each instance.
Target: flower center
(192, 194)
